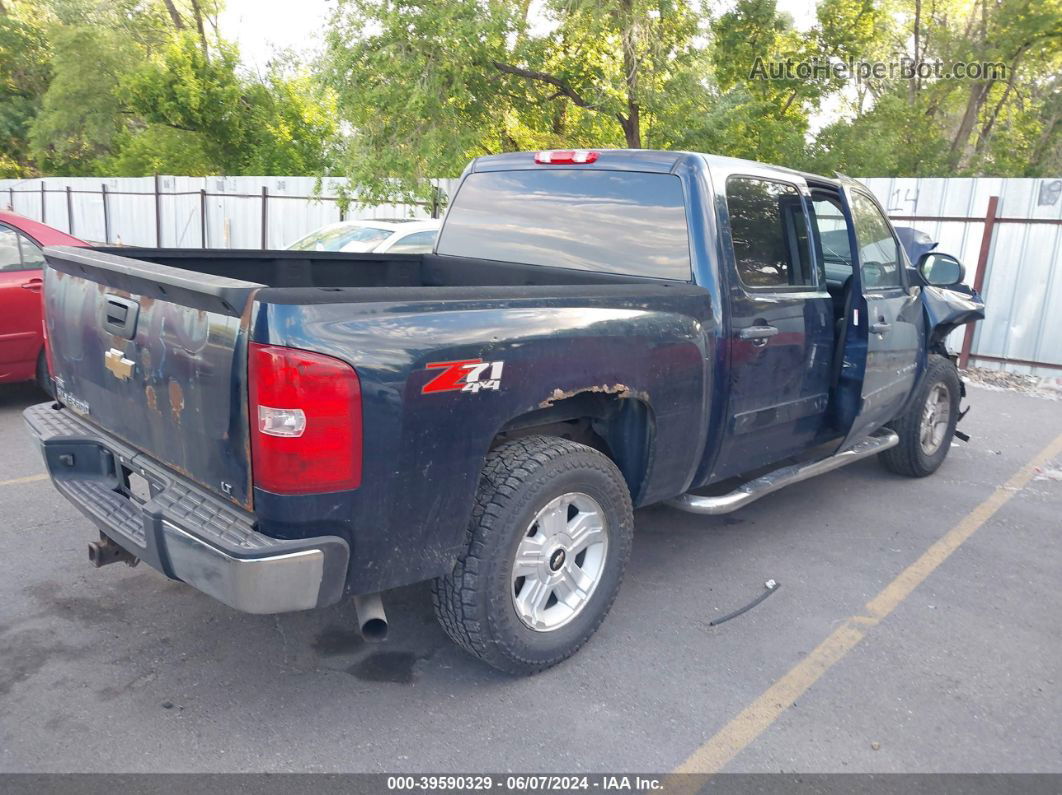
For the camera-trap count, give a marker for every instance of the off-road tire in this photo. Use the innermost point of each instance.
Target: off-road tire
(908, 458)
(474, 603)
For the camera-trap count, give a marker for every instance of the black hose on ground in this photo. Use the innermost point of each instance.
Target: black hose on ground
(771, 587)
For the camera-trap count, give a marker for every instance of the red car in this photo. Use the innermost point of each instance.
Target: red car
(21, 335)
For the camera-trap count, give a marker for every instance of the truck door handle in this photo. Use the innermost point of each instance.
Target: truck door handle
(33, 284)
(758, 334)
(881, 327)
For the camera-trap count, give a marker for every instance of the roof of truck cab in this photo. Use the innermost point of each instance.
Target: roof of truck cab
(652, 160)
(723, 162)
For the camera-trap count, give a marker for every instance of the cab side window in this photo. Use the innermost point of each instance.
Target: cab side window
(831, 235)
(768, 226)
(32, 255)
(879, 254)
(10, 259)
(18, 252)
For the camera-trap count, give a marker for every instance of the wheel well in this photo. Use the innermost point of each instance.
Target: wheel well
(619, 427)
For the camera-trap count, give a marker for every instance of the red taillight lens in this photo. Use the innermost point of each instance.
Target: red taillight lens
(305, 413)
(565, 156)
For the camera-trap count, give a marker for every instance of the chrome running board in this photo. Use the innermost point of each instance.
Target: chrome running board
(765, 484)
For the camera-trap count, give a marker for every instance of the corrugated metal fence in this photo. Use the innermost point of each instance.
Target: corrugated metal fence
(1008, 232)
(195, 212)
(1011, 231)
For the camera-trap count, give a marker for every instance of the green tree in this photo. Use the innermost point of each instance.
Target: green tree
(418, 89)
(82, 117)
(220, 121)
(1005, 122)
(436, 83)
(25, 70)
(188, 91)
(164, 92)
(294, 125)
(613, 59)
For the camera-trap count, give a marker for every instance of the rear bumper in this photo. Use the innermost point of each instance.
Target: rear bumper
(181, 529)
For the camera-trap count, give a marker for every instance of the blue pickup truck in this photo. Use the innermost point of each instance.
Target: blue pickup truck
(595, 331)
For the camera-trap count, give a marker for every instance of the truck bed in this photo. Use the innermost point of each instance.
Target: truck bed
(325, 269)
(151, 349)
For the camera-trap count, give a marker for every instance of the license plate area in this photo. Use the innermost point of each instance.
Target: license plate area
(137, 487)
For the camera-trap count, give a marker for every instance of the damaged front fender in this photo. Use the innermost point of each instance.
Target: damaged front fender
(947, 308)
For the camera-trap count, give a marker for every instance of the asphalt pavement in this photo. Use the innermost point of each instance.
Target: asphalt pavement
(119, 669)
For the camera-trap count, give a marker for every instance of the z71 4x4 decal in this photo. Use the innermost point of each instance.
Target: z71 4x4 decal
(467, 375)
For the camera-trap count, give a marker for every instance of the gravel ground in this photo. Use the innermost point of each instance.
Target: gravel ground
(1000, 380)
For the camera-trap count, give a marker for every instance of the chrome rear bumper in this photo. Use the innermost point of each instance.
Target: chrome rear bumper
(181, 529)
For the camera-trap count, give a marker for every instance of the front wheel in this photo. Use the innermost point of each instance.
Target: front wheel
(927, 426)
(548, 542)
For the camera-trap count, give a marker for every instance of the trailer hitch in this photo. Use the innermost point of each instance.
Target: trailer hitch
(105, 552)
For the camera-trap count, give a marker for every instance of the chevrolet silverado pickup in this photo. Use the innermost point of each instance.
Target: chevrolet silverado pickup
(594, 331)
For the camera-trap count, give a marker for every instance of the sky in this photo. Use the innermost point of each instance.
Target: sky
(262, 26)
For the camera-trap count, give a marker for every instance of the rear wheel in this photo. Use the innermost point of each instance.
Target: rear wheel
(927, 426)
(549, 540)
(44, 380)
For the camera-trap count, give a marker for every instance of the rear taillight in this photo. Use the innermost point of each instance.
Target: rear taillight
(305, 413)
(554, 156)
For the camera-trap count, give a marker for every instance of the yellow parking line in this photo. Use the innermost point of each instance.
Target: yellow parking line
(752, 721)
(27, 479)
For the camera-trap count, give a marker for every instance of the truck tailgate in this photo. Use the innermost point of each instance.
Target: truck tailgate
(156, 356)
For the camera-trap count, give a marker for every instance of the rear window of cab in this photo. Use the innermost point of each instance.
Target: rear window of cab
(620, 222)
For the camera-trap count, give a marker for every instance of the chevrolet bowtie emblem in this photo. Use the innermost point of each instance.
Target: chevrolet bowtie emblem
(116, 362)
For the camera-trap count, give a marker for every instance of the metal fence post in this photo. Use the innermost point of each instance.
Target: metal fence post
(265, 217)
(69, 211)
(979, 275)
(106, 214)
(158, 213)
(11, 198)
(202, 218)
(44, 205)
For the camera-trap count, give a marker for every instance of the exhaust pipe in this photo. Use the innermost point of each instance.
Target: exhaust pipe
(105, 552)
(372, 620)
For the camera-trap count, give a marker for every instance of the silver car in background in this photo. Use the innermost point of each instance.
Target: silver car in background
(397, 236)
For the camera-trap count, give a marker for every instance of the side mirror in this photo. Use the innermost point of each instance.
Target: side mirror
(940, 270)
